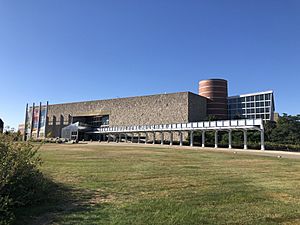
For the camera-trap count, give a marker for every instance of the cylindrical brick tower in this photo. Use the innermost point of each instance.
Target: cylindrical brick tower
(217, 93)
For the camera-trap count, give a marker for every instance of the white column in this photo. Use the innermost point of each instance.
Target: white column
(132, 135)
(245, 139)
(108, 136)
(192, 138)
(162, 138)
(203, 139)
(216, 139)
(120, 137)
(126, 137)
(171, 138)
(139, 137)
(180, 138)
(146, 137)
(262, 139)
(230, 139)
(153, 138)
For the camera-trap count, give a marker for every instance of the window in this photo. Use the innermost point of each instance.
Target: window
(260, 104)
(260, 110)
(261, 97)
(105, 120)
(268, 96)
(232, 100)
(249, 111)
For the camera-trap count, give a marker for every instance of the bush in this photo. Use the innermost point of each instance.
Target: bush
(21, 182)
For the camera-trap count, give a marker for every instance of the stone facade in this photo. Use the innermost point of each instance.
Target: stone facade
(179, 107)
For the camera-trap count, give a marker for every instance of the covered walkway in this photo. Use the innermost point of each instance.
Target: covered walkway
(116, 133)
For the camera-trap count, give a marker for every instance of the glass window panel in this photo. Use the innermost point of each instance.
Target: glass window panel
(261, 97)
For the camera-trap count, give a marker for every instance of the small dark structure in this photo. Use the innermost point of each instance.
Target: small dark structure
(1, 126)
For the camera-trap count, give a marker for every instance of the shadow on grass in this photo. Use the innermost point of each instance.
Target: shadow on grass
(58, 199)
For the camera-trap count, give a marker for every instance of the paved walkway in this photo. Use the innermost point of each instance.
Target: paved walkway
(270, 153)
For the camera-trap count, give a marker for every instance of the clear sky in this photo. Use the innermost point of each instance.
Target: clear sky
(74, 50)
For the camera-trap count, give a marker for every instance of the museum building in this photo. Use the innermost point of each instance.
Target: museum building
(212, 102)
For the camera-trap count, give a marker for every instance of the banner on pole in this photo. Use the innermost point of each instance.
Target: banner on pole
(36, 125)
(42, 125)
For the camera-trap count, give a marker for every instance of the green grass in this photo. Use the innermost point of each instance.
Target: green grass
(142, 185)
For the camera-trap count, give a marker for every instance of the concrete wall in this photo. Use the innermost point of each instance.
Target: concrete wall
(179, 107)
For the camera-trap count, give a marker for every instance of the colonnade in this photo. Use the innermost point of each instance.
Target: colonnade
(117, 136)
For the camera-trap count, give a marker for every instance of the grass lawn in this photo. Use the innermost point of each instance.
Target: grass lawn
(105, 184)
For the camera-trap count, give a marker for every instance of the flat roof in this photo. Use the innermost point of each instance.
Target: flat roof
(174, 93)
(252, 94)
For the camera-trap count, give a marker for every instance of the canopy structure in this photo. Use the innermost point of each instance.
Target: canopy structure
(222, 125)
(71, 132)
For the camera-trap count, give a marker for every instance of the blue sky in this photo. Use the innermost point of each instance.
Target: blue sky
(76, 50)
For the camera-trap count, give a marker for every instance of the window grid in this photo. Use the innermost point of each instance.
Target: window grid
(252, 107)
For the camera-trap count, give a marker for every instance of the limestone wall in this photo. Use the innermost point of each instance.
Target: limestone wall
(179, 107)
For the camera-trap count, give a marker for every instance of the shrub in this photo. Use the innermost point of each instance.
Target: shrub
(21, 182)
